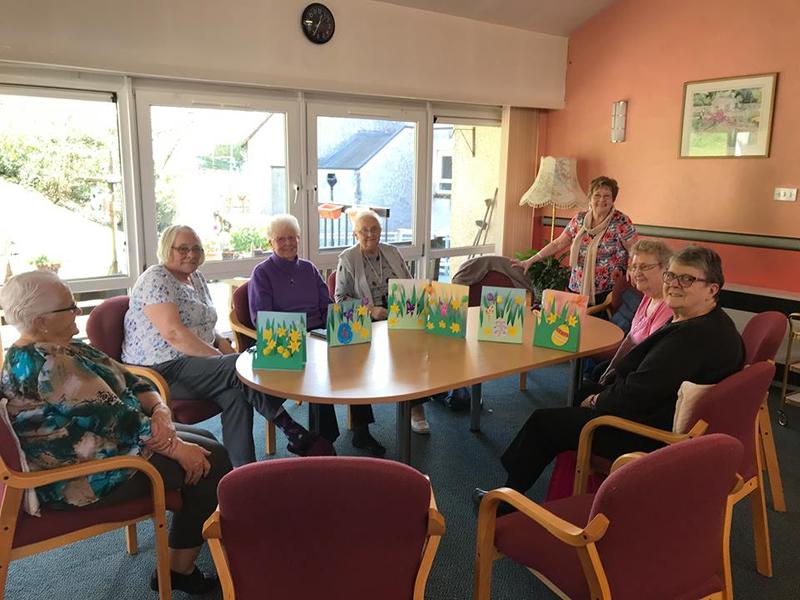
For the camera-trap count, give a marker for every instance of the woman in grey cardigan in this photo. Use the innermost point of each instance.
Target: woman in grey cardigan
(363, 272)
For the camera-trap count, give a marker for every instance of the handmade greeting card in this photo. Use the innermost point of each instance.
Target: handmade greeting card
(349, 323)
(446, 313)
(501, 315)
(281, 341)
(558, 323)
(406, 303)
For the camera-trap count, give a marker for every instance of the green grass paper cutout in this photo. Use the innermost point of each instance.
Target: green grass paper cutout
(558, 324)
(406, 303)
(349, 323)
(502, 315)
(281, 341)
(446, 312)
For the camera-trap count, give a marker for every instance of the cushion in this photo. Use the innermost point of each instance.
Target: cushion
(688, 395)
(30, 501)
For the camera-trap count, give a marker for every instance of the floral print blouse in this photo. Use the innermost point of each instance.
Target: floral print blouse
(611, 253)
(143, 344)
(71, 404)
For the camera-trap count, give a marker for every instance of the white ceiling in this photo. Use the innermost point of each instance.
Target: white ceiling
(557, 17)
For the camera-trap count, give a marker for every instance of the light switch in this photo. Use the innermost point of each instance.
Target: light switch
(786, 194)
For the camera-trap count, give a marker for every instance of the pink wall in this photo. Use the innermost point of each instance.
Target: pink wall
(644, 51)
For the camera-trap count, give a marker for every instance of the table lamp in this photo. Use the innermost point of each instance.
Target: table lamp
(556, 184)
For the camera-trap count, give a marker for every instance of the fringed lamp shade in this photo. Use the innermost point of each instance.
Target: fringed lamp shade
(557, 185)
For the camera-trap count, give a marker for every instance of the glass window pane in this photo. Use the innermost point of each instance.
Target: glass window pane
(443, 269)
(365, 163)
(222, 172)
(466, 170)
(60, 187)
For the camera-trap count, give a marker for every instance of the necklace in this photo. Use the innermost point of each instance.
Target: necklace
(379, 272)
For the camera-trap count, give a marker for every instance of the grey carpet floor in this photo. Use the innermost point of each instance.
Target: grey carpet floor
(457, 461)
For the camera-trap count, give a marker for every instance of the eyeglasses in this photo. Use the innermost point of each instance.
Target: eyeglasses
(289, 239)
(184, 250)
(370, 231)
(642, 267)
(684, 280)
(71, 308)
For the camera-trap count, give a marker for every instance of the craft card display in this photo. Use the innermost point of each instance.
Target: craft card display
(281, 341)
(558, 323)
(406, 303)
(446, 313)
(349, 323)
(501, 315)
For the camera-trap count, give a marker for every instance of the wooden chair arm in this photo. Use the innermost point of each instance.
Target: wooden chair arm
(563, 530)
(625, 459)
(237, 326)
(605, 305)
(35, 479)
(212, 529)
(435, 518)
(582, 468)
(154, 377)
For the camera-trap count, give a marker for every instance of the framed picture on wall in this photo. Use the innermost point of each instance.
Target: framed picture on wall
(728, 117)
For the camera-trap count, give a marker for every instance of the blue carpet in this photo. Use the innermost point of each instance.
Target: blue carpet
(457, 461)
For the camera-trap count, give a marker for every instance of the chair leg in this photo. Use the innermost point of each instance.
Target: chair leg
(771, 458)
(270, 441)
(10, 503)
(162, 558)
(349, 417)
(727, 578)
(758, 506)
(523, 381)
(131, 539)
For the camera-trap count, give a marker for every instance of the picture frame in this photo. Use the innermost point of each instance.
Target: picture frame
(728, 118)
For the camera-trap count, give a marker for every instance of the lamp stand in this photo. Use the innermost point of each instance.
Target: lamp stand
(553, 223)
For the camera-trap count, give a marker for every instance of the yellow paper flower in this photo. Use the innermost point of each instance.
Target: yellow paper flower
(432, 301)
(356, 327)
(512, 331)
(455, 327)
(455, 303)
(392, 321)
(430, 326)
(362, 310)
(337, 308)
(271, 346)
(281, 331)
(280, 349)
(518, 299)
(266, 351)
(395, 308)
(267, 334)
(572, 320)
(294, 335)
(487, 330)
(499, 299)
(442, 324)
(551, 318)
(294, 346)
(286, 354)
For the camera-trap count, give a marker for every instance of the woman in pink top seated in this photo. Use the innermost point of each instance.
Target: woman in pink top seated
(649, 260)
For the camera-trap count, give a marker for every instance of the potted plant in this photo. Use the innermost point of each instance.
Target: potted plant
(547, 274)
(249, 240)
(42, 263)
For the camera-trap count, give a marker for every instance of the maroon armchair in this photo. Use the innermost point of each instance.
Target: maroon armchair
(339, 528)
(658, 527)
(331, 281)
(762, 337)
(24, 535)
(105, 329)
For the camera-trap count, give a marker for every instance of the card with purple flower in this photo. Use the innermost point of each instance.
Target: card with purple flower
(502, 315)
(446, 313)
(406, 303)
(349, 323)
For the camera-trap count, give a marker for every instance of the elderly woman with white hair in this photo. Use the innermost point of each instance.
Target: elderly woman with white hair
(69, 403)
(170, 328)
(284, 282)
(364, 271)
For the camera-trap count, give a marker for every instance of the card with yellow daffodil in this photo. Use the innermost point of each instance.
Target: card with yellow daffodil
(502, 315)
(281, 341)
(558, 323)
(349, 323)
(446, 313)
(406, 303)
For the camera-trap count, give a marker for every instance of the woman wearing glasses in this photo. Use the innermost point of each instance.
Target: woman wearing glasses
(701, 345)
(69, 403)
(363, 273)
(284, 282)
(170, 327)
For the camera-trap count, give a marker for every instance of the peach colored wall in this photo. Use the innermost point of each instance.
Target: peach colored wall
(643, 51)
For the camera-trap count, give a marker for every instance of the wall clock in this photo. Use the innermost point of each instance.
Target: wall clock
(318, 23)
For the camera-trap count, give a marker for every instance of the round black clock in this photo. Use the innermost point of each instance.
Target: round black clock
(317, 23)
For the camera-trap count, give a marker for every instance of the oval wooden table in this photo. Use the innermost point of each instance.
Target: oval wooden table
(402, 365)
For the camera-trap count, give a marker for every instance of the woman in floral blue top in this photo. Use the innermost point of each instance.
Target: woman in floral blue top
(599, 240)
(69, 403)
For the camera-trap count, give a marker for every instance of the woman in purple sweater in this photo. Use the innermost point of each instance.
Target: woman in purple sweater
(284, 282)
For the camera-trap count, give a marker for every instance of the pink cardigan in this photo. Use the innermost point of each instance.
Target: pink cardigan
(642, 325)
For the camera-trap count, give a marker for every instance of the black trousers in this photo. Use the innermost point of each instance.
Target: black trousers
(550, 431)
(199, 500)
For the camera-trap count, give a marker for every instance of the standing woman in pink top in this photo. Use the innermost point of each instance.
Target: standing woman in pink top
(649, 260)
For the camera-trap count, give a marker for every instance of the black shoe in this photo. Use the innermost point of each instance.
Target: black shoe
(363, 440)
(195, 583)
(310, 444)
(502, 509)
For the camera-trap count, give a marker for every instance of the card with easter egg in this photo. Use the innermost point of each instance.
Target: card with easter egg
(558, 323)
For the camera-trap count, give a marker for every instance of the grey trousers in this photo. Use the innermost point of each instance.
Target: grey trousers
(214, 378)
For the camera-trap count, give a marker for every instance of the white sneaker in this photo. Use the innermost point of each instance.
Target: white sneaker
(419, 424)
